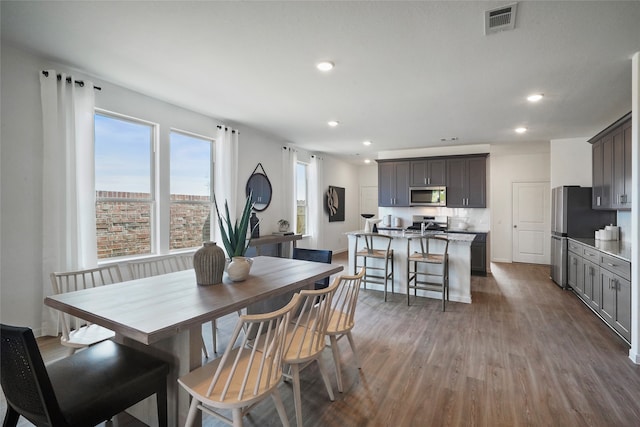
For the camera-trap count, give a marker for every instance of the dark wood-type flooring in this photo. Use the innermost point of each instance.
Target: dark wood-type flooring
(524, 353)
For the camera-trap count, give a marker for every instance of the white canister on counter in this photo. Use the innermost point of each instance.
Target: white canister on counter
(614, 230)
(598, 237)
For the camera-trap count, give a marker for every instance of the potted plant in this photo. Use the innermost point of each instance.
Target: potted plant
(283, 225)
(234, 239)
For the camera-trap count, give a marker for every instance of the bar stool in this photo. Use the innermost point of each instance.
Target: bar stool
(378, 275)
(434, 276)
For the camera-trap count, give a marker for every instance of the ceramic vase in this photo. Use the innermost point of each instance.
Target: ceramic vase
(209, 263)
(239, 267)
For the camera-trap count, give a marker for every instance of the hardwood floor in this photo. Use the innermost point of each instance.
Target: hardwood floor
(524, 353)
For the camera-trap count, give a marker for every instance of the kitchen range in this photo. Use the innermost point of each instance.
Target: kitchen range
(572, 216)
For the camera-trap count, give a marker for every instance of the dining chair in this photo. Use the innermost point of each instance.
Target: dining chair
(84, 389)
(317, 255)
(342, 318)
(76, 332)
(377, 247)
(434, 274)
(306, 339)
(185, 260)
(164, 265)
(153, 267)
(245, 374)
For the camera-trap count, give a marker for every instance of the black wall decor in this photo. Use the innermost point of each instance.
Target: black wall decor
(334, 203)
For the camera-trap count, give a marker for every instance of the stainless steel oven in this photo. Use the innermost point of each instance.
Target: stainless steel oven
(428, 196)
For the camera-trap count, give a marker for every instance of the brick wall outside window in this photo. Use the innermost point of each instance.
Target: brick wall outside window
(124, 227)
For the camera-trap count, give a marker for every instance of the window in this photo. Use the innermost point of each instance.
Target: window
(302, 206)
(124, 185)
(191, 188)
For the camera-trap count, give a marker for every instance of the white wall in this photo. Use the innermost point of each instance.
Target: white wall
(341, 174)
(21, 272)
(570, 162)
(509, 164)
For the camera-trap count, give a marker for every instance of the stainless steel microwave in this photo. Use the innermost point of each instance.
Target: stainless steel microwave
(428, 196)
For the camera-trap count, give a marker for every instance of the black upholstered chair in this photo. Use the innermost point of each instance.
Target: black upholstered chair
(84, 389)
(317, 255)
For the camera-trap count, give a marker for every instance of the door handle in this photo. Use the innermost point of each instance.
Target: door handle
(515, 226)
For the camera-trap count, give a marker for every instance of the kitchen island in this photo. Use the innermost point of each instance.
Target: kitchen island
(459, 263)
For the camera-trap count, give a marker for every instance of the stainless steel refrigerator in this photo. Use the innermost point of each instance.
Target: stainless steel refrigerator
(572, 216)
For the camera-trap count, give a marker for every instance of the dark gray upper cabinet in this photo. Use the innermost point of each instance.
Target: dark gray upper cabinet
(611, 161)
(621, 182)
(428, 172)
(393, 184)
(466, 182)
(464, 176)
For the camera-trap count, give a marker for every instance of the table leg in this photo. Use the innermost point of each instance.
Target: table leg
(183, 352)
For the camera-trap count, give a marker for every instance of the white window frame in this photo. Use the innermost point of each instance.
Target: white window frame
(306, 204)
(153, 181)
(212, 221)
(160, 170)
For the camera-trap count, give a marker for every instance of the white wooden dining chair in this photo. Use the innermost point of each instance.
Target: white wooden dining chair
(78, 333)
(306, 340)
(246, 374)
(342, 318)
(154, 267)
(185, 261)
(164, 265)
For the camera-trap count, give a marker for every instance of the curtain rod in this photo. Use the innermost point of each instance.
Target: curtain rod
(69, 80)
(226, 128)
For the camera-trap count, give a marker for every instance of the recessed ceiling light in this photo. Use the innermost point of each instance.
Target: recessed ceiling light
(325, 66)
(521, 130)
(333, 123)
(535, 97)
(366, 143)
(367, 161)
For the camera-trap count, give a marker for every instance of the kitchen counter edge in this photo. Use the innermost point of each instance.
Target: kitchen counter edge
(453, 237)
(617, 248)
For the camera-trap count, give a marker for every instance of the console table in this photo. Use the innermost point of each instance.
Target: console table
(274, 239)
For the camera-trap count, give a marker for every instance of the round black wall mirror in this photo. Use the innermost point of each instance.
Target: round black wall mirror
(259, 185)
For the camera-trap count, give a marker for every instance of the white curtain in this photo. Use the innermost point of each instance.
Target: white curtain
(68, 186)
(316, 198)
(289, 199)
(225, 173)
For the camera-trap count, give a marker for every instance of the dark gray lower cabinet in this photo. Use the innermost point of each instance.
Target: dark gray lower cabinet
(602, 283)
(575, 273)
(616, 302)
(478, 252)
(479, 255)
(591, 293)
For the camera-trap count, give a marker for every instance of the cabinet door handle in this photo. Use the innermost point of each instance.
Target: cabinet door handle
(611, 265)
(598, 201)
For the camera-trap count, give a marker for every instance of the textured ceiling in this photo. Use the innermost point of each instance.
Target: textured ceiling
(407, 73)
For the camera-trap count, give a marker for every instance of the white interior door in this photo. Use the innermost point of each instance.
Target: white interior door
(531, 222)
(368, 202)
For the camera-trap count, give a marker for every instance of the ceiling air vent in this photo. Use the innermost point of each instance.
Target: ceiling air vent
(500, 19)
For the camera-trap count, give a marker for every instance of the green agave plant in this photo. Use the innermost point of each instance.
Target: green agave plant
(234, 236)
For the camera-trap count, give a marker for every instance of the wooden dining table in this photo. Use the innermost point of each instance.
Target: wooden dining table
(163, 314)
